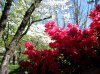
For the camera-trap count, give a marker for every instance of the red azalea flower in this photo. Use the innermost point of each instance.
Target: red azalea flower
(97, 7)
(50, 24)
(25, 64)
(54, 67)
(32, 70)
(43, 69)
(53, 44)
(28, 44)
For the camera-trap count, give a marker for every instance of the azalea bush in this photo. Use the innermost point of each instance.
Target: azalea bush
(72, 48)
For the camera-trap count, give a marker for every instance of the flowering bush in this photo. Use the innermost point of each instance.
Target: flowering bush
(72, 48)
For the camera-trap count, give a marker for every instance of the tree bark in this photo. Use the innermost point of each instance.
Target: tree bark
(12, 45)
(4, 65)
(4, 16)
(96, 2)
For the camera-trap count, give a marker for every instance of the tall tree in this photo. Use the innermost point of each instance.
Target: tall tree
(11, 47)
(59, 8)
(95, 1)
(4, 16)
(80, 12)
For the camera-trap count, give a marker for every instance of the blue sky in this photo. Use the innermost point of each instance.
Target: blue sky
(60, 14)
(84, 7)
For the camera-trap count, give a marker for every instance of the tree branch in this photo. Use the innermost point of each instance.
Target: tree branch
(25, 20)
(25, 30)
(4, 16)
(11, 48)
(5, 36)
(40, 19)
(32, 23)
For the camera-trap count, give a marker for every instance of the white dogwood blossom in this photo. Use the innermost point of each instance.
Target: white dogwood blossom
(38, 32)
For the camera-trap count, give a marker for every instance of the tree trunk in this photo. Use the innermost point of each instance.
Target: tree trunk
(5, 62)
(14, 60)
(11, 48)
(4, 16)
(1, 32)
(96, 2)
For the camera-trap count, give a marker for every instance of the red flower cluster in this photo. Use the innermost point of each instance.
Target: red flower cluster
(40, 61)
(72, 41)
(71, 46)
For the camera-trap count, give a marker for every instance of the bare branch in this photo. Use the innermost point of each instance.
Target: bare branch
(40, 19)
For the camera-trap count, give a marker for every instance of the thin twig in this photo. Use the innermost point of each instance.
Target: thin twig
(40, 19)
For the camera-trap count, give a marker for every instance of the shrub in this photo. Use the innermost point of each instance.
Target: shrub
(72, 48)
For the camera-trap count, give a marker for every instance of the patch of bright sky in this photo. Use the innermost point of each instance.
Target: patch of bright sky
(60, 6)
(87, 7)
(66, 10)
(84, 7)
(61, 12)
